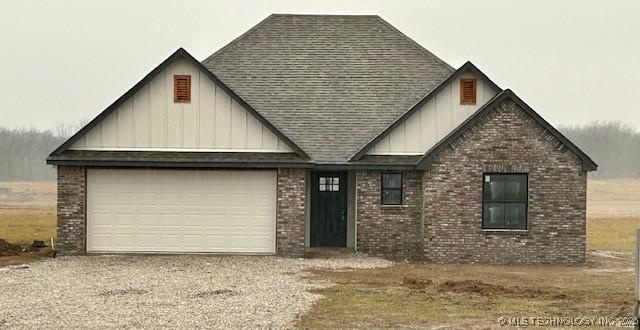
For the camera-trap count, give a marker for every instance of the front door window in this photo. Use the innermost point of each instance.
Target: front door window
(329, 184)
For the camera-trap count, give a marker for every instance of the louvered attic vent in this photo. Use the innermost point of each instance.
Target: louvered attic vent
(181, 88)
(468, 91)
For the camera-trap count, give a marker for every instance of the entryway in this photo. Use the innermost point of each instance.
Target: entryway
(328, 214)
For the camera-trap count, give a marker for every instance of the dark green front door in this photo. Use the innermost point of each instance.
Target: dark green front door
(328, 209)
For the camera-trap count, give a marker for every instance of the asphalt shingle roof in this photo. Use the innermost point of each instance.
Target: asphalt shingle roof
(329, 83)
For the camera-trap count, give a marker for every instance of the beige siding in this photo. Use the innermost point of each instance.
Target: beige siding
(433, 121)
(150, 120)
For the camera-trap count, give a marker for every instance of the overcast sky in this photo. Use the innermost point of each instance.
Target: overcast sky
(572, 61)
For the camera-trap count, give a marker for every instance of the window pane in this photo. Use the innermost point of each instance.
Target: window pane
(322, 181)
(336, 187)
(515, 216)
(505, 187)
(336, 180)
(322, 187)
(515, 187)
(493, 216)
(494, 190)
(391, 197)
(392, 180)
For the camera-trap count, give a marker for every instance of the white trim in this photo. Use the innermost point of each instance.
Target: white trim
(488, 230)
(182, 149)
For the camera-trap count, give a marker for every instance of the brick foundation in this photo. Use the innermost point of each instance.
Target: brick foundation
(291, 212)
(71, 227)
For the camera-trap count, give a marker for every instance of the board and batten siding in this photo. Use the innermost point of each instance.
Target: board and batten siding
(433, 121)
(212, 121)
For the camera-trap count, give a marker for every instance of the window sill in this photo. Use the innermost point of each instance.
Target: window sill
(505, 231)
(391, 206)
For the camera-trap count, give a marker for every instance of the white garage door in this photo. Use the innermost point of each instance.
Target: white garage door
(181, 211)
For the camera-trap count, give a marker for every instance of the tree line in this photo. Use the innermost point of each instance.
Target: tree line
(614, 146)
(23, 152)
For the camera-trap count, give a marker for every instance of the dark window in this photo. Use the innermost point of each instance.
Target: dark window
(391, 188)
(329, 184)
(468, 91)
(505, 201)
(181, 88)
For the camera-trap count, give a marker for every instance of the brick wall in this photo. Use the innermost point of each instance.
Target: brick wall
(291, 212)
(505, 140)
(389, 231)
(71, 225)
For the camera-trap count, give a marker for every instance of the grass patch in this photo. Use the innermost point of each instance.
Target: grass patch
(23, 226)
(461, 296)
(612, 234)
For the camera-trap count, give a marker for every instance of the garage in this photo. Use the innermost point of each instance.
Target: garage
(181, 211)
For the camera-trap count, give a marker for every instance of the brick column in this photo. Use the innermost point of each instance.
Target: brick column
(71, 228)
(291, 212)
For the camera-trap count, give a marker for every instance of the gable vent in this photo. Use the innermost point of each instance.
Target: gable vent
(468, 91)
(181, 88)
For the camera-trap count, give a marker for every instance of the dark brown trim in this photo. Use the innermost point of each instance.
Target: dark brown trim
(467, 67)
(425, 162)
(180, 53)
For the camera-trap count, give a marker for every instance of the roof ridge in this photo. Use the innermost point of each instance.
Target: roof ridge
(240, 37)
(393, 28)
(383, 21)
(329, 15)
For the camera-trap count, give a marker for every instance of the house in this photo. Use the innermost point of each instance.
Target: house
(322, 131)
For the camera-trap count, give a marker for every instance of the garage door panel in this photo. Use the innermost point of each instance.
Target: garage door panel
(181, 211)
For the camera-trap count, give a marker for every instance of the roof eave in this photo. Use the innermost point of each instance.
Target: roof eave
(178, 164)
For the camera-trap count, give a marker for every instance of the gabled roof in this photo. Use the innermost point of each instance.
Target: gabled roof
(330, 83)
(587, 163)
(467, 67)
(178, 54)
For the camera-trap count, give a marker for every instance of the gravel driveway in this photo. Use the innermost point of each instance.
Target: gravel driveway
(162, 291)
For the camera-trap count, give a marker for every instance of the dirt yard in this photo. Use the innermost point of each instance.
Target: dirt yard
(428, 295)
(27, 213)
(468, 296)
(414, 295)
